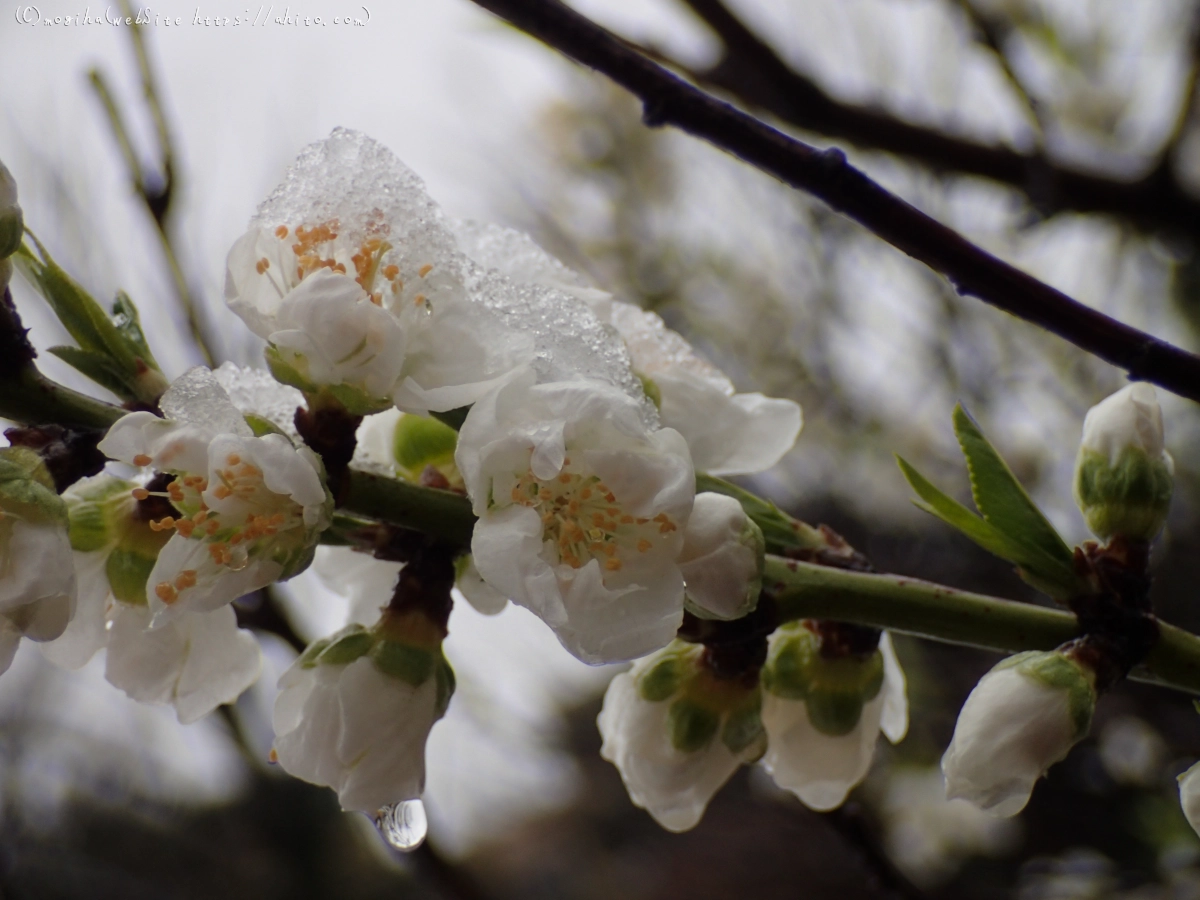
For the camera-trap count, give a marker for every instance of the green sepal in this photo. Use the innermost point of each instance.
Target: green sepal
(446, 683)
(662, 680)
(780, 531)
(1057, 670)
(420, 441)
(98, 513)
(412, 665)
(262, 426)
(1131, 498)
(308, 659)
(1052, 575)
(354, 400)
(691, 726)
(650, 389)
(743, 725)
(128, 572)
(27, 490)
(346, 646)
(786, 673)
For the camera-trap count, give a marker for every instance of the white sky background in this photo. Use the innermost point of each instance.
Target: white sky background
(457, 97)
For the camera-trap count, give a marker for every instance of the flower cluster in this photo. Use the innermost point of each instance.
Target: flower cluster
(574, 425)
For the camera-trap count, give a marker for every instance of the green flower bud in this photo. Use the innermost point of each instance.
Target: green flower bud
(419, 441)
(12, 224)
(406, 662)
(1123, 476)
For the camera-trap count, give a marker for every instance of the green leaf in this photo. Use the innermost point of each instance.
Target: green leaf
(1000, 496)
(1037, 567)
(128, 323)
(96, 366)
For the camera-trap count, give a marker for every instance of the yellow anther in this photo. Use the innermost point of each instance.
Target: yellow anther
(612, 565)
(222, 491)
(262, 265)
(643, 545)
(425, 270)
(281, 232)
(199, 517)
(232, 459)
(212, 527)
(390, 272)
(166, 592)
(140, 493)
(142, 460)
(185, 527)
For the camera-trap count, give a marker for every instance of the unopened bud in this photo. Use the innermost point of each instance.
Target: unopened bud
(421, 441)
(1123, 476)
(27, 489)
(722, 559)
(12, 224)
(1024, 715)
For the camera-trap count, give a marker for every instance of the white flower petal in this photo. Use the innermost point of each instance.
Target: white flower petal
(87, 632)
(818, 768)
(673, 786)
(894, 718)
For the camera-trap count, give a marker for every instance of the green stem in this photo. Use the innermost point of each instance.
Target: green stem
(440, 513)
(781, 531)
(33, 399)
(909, 605)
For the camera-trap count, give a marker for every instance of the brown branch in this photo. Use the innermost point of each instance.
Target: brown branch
(753, 72)
(668, 100)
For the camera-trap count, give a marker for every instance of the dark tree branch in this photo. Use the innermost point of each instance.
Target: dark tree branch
(752, 71)
(668, 100)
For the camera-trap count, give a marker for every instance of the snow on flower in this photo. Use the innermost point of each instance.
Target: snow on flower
(249, 508)
(676, 732)
(349, 274)
(823, 717)
(1024, 715)
(354, 711)
(728, 433)
(581, 512)
(37, 578)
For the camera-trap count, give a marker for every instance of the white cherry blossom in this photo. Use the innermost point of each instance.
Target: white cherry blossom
(581, 512)
(727, 433)
(251, 508)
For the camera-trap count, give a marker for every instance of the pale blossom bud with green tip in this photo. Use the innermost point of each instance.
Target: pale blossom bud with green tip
(12, 224)
(722, 559)
(676, 732)
(823, 715)
(355, 710)
(1024, 716)
(1123, 476)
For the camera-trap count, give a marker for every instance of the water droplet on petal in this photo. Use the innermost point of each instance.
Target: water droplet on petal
(403, 825)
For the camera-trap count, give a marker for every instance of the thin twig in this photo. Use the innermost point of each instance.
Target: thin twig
(156, 190)
(668, 100)
(754, 73)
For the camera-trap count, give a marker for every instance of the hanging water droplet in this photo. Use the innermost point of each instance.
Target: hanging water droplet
(403, 825)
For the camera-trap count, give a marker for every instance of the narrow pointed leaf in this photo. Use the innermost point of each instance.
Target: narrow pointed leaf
(97, 367)
(1000, 497)
(1041, 570)
(129, 325)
